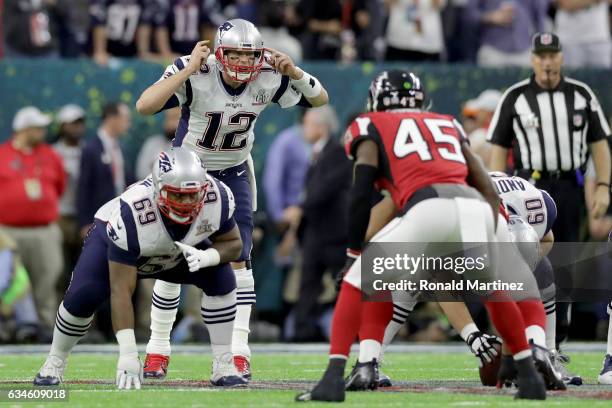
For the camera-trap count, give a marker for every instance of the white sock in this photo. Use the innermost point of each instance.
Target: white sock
(401, 312)
(166, 298)
(551, 324)
(69, 329)
(245, 299)
(218, 313)
(368, 350)
(536, 334)
(609, 349)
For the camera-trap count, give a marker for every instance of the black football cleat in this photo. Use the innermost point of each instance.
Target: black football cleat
(364, 376)
(544, 364)
(529, 382)
(330, 388)
(506, 375)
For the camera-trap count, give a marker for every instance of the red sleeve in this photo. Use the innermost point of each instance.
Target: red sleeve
(359, 130)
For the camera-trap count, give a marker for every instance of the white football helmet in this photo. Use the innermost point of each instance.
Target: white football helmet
(180, 183)
(239, 35)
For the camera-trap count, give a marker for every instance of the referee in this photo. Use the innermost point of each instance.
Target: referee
(552, 123)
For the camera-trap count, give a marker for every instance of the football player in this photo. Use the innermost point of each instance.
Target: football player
(424, 161)
(176, 226)
(532, 213)
(526, 203)
(222, 95)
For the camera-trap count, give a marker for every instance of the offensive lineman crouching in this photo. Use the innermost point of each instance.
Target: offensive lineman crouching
(160, 228)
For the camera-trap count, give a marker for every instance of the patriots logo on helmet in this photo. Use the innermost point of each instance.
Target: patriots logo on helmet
(164, 162)
(225, 27)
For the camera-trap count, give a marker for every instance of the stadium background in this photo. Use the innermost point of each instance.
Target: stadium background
(55, 83)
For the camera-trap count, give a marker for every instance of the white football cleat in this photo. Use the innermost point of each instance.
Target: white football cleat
(224, 372)
(605, 377)
(52, 372)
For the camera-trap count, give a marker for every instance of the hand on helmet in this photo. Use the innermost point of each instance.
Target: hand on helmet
(198, 57)
(283, 64)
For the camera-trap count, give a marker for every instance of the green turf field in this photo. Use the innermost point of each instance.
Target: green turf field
(424, 380)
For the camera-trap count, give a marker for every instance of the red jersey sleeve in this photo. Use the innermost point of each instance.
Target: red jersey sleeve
(359, 130)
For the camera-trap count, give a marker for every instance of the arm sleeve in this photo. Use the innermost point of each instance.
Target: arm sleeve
(286, 95)
(123, 236)
(182, 92)
(360, 198)
(85, 188)
(500, 130)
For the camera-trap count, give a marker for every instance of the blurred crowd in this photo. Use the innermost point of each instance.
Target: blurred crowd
(487, 32)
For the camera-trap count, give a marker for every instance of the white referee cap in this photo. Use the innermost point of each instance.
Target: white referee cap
(30, 117)
(70, 113)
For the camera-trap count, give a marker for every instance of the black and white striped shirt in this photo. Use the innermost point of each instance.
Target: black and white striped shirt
(552, 128)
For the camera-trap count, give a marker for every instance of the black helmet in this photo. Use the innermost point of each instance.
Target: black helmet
(395, 89)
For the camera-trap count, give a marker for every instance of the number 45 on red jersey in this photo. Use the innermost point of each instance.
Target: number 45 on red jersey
(416, 149)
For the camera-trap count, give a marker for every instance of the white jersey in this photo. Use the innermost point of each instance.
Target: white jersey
(534, 206)
(217, 121)
(139, 236)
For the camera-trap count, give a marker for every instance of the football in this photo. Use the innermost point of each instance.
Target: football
(488, 372)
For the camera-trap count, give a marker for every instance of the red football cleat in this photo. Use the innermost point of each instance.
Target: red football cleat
(243, 366)
(156, 366)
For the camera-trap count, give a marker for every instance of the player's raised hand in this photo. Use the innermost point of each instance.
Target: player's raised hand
(199, 55)
(283, 64)
(129, 372)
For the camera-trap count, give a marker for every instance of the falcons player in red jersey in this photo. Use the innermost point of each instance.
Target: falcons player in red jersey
(423, 160)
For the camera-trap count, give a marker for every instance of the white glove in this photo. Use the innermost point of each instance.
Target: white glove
(483, 346)
(198, 259)
(129, 372)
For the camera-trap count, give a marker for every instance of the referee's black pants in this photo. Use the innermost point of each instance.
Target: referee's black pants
(569, 198)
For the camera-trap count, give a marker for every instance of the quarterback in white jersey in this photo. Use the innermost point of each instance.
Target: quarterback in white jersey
(175, 226)
(221, 96)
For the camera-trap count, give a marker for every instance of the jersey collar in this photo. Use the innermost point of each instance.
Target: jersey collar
(233, 92)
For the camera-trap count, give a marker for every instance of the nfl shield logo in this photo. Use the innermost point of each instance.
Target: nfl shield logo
(577, 120)
(546, 39)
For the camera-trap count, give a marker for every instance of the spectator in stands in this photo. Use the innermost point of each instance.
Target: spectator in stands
(484, 107)
(274, 31)
(414, 31)
(506, 28)
(33, 180)
(583, 27)
(102, 172)
(287, 162)
(179, 24)
(116, 24)
(323, 25)
(73, 23)
(18, 318)
(155, 144)
(325, 218)
(30, 28)
(71, 120)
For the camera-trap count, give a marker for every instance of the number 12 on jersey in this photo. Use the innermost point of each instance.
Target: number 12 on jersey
(241, 122)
